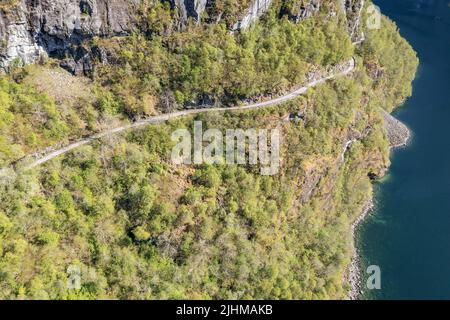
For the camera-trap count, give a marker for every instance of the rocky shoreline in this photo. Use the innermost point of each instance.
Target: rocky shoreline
(397, 132)
(354, 273)
(399, 136)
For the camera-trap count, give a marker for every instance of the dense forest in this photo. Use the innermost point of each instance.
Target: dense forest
(138, 226)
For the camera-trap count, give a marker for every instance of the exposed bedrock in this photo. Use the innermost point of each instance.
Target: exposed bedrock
(256, 10)
(190, 9)
(33, 27)
(301, 9)
(30, 29)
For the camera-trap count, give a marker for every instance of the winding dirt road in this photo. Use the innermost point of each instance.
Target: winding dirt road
(345, 69)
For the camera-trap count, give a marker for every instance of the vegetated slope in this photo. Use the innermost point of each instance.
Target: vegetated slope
(33, 160)
(138, 226)
(161, 68)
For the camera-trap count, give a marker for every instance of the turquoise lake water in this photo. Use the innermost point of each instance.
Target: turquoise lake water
(408, 234)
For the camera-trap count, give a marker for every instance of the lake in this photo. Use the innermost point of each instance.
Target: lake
(408, 233)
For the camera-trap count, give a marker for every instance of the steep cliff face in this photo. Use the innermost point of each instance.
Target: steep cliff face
(16, 40)
(216, 9)
(33, 27)
(256, 10)
(30, 29)
(300, 10)
(189, 9)
(303, 9)
(353, 10)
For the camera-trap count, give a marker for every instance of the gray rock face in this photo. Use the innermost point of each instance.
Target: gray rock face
(35, 27)
(353, 10)
(16, 42)
(309, 9)
(190, 9)
(256, 10)
(304, 10)
(58, 28)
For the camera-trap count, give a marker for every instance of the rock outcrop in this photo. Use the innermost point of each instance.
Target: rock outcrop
(353, 10)
(16, 40)
(256, 10)
(32, 27)
(189, 9)
(302, 9)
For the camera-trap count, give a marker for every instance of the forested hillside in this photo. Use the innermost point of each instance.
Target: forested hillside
(139, 227)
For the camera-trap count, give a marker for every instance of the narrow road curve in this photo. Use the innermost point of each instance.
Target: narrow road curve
(346, 69)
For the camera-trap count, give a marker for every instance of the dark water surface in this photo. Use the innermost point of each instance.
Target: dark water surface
(408, 234)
